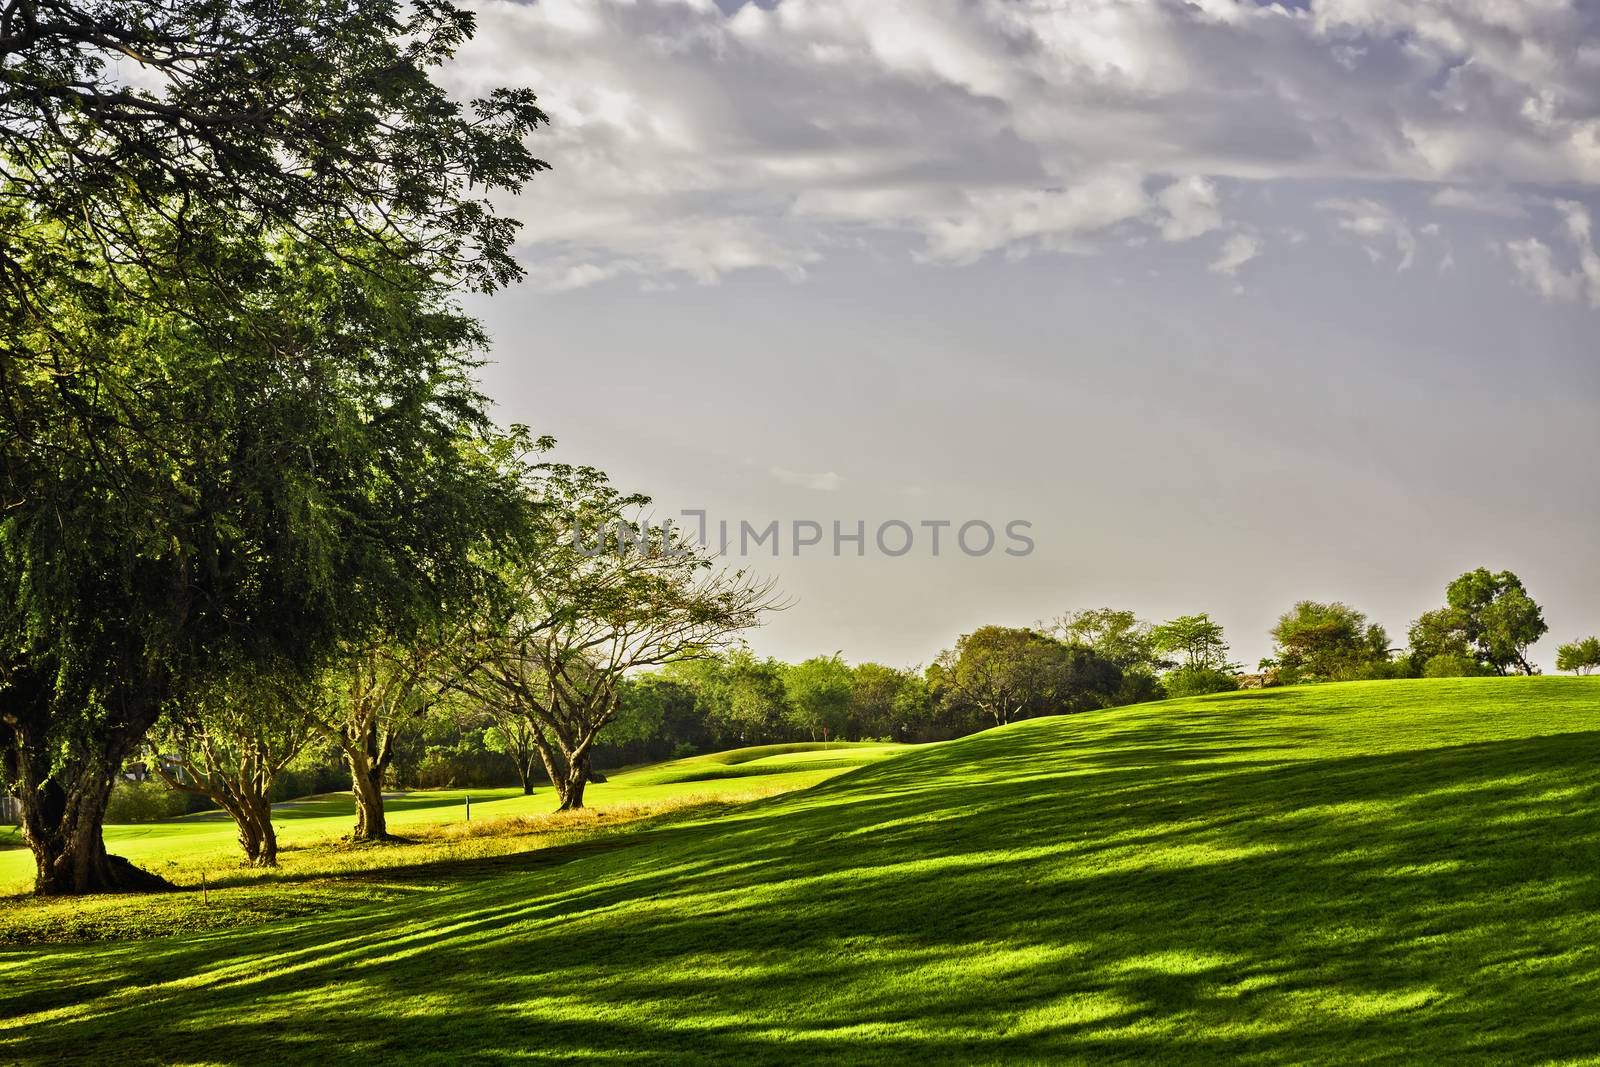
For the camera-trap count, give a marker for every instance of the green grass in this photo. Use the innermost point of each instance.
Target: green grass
(1371, 872)
(181, 849)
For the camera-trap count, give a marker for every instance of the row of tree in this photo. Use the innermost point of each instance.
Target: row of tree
(249, 492)
(508, 681)
(1085, 659)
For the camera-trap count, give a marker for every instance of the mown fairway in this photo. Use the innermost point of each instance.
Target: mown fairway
(1371, 871)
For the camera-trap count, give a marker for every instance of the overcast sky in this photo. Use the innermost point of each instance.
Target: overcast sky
(1234, 303)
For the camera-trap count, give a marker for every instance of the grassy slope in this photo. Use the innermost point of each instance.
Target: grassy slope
(1392, 870)
(180, 848)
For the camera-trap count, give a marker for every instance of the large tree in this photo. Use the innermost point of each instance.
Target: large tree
(603, 596)
(231, 385)
(211, 490)
(818, 692)
(1009, 673)
(1194, 642)
(1488, 618)
(223, 119)
(1197, 650)
(1328, 642)
(228, 743)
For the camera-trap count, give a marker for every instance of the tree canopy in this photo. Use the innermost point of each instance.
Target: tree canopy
(1488, 623)
(213, 490)
(1328, 642)
(601, 597)
(1579, 657)
(225, 120)
(1011, 673)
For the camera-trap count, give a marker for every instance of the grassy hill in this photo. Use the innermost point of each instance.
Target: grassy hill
(1395, 871)
(181, 848)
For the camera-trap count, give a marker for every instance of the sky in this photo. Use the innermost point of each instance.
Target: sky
(1203, 306)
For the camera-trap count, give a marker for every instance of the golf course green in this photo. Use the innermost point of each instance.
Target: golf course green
(1358, 872)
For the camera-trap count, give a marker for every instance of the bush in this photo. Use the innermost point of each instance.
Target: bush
(322, 777)
(1389, 669)
(1138, 687)
(684, 749)
(1198, 681)
(149, 801)
(1450, 665)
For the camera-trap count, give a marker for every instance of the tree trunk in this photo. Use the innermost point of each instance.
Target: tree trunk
(525, 772)
(63, 827)
(571, 790)
(267, 855)
(367, 784)
(249, 833)
(256, 834)
(64, 807)
(367, 751)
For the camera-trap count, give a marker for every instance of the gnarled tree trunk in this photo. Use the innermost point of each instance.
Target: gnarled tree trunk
(368, 752)
(568, 768)
(255, 822)
(64, 806)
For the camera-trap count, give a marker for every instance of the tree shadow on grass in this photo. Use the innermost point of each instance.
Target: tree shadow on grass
(1037, 895)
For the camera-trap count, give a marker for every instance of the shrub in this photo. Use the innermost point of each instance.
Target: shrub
(1197, 681)
(1451, 665)
(149, 801)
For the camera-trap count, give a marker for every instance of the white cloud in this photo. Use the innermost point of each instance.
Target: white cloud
(1481, 201)
(826, 481)
(1376, 227)
(1190, 205)
(1237, 250)
(1536, 262)
(692, 143)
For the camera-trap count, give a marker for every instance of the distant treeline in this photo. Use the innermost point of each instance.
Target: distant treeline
(1095, 658)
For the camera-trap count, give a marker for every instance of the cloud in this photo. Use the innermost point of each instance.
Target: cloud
(1480, 201)
(1376, 227)
(825, 482)
(1237, 250)
(1190, 205)
(1537, 264)
(691, 142)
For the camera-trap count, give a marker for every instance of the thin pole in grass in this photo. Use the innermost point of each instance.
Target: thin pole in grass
(205, 891)
(469, 809)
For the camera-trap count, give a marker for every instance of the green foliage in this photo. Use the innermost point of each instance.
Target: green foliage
(224, 120)
(237, 394)
(1329, 642)
(889, 703)
(1117, 635)
(1195, 641)
(819, 691)
(1008, 673)
(207, 489)
(1451, 665)
(749, 695)
(148, 800)
(1580, 657)
(1488, 618)
(1198, 681)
